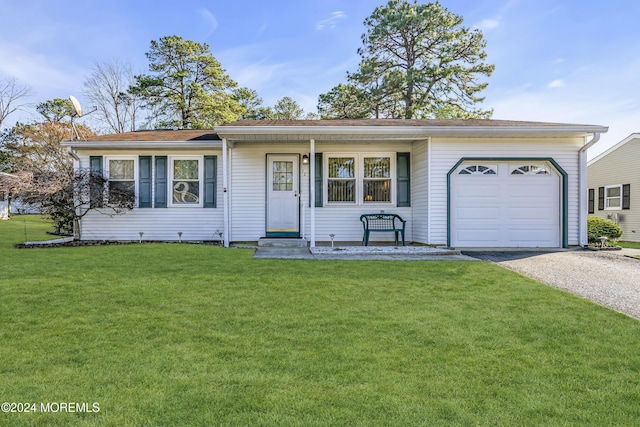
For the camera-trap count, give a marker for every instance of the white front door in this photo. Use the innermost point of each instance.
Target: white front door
(283, 218)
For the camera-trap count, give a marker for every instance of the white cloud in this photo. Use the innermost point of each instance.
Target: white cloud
(556, 83)
(209, 20)
(581, 107)
(487, 25)
(330, 23)
(30, 67)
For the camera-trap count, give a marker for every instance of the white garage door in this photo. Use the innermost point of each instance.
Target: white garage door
(505, 205)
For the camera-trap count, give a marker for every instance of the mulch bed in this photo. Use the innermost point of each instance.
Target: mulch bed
(75, 243)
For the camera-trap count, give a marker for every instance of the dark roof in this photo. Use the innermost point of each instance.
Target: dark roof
(170, 135)
(161, 135)
(391, 122)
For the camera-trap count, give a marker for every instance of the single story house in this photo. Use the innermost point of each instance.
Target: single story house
(459, 183)
(614, 186)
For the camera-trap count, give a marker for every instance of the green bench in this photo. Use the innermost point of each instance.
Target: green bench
(382, 223)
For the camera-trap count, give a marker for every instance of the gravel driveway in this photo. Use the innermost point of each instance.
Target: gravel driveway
(608, 278)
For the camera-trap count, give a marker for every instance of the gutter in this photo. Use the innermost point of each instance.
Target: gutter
(73, 154)
(155, 145)
(596, 138)
(411, 130)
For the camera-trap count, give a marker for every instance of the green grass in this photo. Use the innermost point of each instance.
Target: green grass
(632, 245)
(200, 335)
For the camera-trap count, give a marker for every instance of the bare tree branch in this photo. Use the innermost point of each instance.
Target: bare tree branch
(10, 93)
(107, 88)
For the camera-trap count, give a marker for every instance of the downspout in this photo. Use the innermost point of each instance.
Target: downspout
(74, 155)
(429, 192)
(225, 188)
(312, 191)
(582, 189)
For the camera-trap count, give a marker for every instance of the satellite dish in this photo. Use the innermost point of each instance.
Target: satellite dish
(76, 105)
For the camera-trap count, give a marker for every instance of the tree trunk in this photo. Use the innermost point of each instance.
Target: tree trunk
(76, 229)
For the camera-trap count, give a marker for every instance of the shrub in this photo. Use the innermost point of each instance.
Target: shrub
(598, 227)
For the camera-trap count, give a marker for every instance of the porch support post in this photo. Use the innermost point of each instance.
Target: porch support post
(225, 188)
(312, 191)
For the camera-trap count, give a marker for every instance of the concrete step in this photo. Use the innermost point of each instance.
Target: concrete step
(282, 242)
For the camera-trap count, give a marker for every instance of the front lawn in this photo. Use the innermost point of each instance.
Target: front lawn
(181, 334)
(632, 245)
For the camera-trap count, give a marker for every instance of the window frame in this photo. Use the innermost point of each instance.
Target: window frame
(360, 178)
(608, 198)
(491, 169)
(171, 160)
(541, 169)
(107, 170)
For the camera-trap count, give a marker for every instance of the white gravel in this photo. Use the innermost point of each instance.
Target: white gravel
(383, 250)
(608, 278)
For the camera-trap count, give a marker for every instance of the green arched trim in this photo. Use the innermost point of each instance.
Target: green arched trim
(565, 188)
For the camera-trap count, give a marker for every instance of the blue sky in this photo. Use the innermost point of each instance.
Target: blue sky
(575, 61)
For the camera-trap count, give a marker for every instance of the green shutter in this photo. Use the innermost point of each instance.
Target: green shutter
(210, 175)
(403, 178)
(592, 202)
(95, 164)
(144, 181)
(600, 198)
(318, 180)
(626, 196)
(160, 185)
(96, 186)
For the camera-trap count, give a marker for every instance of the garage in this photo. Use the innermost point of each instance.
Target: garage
(505, 204)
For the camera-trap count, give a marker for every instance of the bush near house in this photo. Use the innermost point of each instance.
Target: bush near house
(598, 227)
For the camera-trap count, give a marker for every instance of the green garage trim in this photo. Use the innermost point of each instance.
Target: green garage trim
(564, 179)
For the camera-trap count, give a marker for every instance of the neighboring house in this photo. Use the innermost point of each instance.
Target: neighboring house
(460, 183)
(19, 207)
(5, 201)
(614, 186)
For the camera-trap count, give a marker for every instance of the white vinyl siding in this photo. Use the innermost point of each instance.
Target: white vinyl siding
(157, 223)
(420, 190)
(248, 200)
(619, 166)
(446, 152)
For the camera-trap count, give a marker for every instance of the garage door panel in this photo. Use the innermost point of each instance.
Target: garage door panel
(479, 236)
(525, 237)
(530, 213)
(478, 213)
(476, 190)
(505, 210)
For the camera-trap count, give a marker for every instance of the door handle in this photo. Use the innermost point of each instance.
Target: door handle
(295, 193)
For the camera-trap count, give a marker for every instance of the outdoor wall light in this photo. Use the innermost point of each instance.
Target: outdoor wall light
(305, 159)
